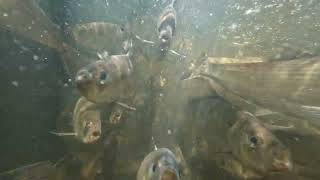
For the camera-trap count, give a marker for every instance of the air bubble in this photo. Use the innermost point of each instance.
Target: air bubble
(15, 83)
(35, 57)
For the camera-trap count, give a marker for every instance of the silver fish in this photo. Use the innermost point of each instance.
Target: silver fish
(288, 87)
(101, 81)
(28, 19)
(86, 121)
(256, 147)
(160, 164)
(167, 26)
(100, 36)
(237, 141)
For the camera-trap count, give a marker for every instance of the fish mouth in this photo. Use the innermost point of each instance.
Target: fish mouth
(164, 40)
(92, 137)
(169, 174)
(281, 166)
(165, 36)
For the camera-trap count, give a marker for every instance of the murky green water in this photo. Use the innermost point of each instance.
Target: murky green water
(44, 44)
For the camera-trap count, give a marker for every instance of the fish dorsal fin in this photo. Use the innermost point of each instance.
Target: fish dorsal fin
(224, 60)
(173, 2)
(312, 111)
(63, 133)
(278, 128)
(263, 112)
(127, 47)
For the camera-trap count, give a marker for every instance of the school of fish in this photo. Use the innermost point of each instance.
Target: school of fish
(232, 137)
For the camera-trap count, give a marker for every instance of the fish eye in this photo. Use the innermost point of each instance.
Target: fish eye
(118, 115)
(166, 38)
(154, 167)
(253, 141)
(122, 29)
(89, 124)
(103, 76)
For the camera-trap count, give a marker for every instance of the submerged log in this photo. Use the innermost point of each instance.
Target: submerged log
(289, 87)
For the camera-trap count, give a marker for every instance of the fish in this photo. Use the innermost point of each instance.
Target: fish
(102, 80)
(92, 168)
(27, 19)
(235, 168)
(236, 140)
(116, 116)
(167, 23)
(287, 52)
(100, 36)
(204, 86)
(160, 164)
(86, 121)
(288, 87)
(256, 147)
(119, 113)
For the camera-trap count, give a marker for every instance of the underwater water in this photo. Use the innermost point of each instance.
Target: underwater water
(159, 89)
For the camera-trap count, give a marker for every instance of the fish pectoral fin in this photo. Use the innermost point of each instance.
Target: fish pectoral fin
(304, 111)
(264, 112)
(224, 150)
(315, 110)
(144, 40)
(278, 128)
(126, 106)
(63, 133)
